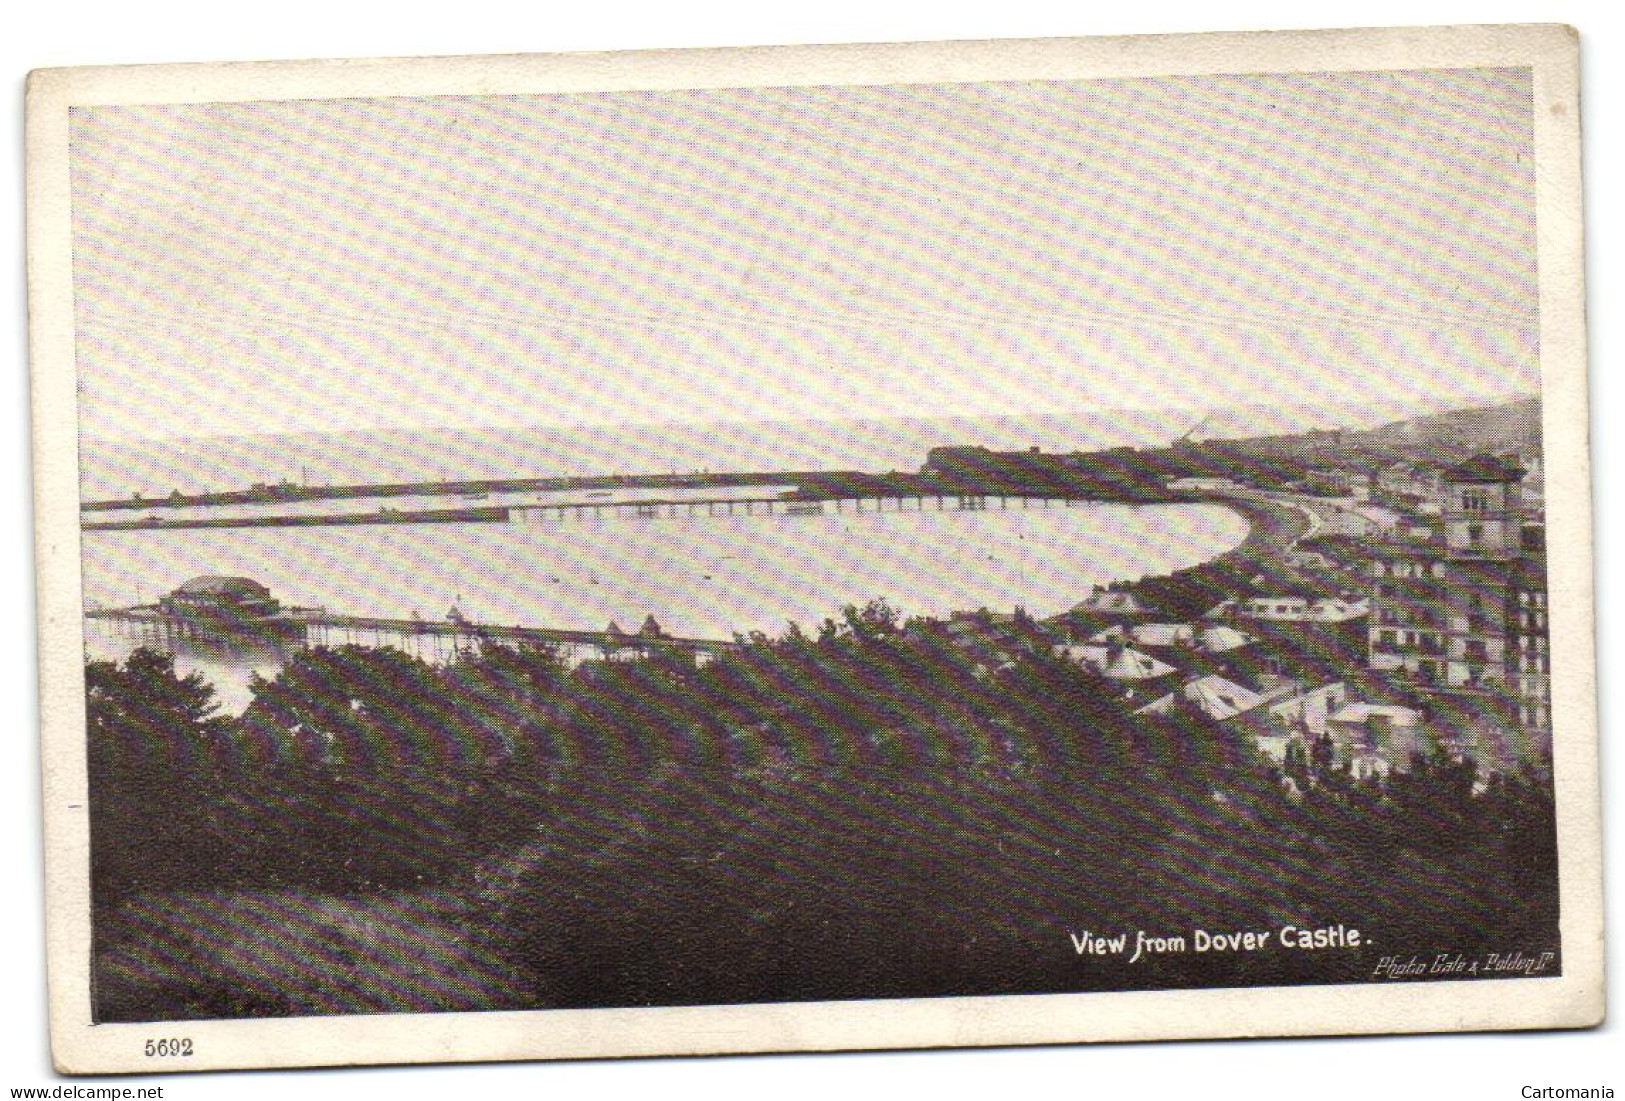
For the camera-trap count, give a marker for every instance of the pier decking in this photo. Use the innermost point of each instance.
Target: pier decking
(310, 627)
(774, 506)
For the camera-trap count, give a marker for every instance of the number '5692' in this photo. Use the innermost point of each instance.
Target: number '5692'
(164, 1048)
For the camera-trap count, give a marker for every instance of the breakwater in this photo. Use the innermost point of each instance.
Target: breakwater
(708, 577)
(588, 510)
(288, 492)
(1067, 480)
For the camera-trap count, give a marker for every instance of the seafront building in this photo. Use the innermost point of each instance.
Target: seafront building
(227, 600)
(1448, 645)
(1447, 650)
(1302, 637)
(212, 610)
(1460, 615)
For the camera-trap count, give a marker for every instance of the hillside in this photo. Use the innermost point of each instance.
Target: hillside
(1443, 438)
(1265, 461)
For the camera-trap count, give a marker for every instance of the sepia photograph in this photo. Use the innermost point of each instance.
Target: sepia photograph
(816, 536)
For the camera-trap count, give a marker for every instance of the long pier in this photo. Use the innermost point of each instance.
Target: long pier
(434, 639)
(565, 511)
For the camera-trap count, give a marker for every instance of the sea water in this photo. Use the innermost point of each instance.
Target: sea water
(699, 576)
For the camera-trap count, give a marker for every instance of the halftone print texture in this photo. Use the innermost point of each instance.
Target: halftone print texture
(793, 544)
(791, 253)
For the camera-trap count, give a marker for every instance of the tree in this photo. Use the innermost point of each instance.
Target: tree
(1323, 756)
(1295, 766)
(506, 691)
(143, 706)
(381, 765)
(365, 707)
(151, 738)
(876, 621)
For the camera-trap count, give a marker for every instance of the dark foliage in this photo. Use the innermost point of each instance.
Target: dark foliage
(149, 736)
(880, 808)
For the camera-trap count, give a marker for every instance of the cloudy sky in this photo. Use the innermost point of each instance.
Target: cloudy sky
(788, 252)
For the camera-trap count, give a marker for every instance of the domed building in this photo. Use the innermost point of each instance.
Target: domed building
(227, 605)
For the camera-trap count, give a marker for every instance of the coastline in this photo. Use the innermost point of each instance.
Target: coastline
(1274, 528)
(1048, 573)
(856, 488)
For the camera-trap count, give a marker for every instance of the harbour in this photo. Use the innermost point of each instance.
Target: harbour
(220, 625)
(702, 576)
(544, 511)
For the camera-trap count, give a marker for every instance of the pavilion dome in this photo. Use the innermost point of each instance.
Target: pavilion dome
(223, 587)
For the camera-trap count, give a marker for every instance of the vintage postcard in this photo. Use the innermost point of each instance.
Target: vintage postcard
(814, 548)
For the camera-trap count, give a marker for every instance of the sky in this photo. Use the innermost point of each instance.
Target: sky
(783, 253)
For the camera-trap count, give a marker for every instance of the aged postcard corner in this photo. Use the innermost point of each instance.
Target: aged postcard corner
(843, 547)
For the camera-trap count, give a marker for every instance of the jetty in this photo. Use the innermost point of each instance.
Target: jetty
(289, 492)
(238, 613)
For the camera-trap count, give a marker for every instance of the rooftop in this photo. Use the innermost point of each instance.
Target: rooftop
(1486, 468)
(1219, 698)
(209, 585)
(1360, 712)
(1112, 601)
(1119, 663)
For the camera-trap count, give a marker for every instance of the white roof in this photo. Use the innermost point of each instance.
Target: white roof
(1159, 706)
(1151, 634)
(1219, 698)
(1164, 634)
(1108, 601)
(1124, 664)
(1338, 610)
(1219, 640)
(1214, 640)
(1325, 610)
(1275, 607)
(1214, 696)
